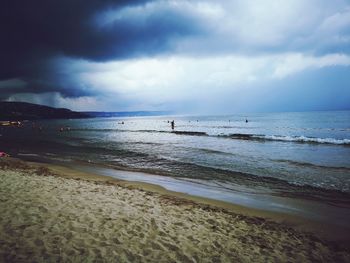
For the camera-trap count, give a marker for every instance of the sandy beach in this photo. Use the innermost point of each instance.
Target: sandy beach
(48, 215)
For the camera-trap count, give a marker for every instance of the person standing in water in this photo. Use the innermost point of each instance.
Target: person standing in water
(172, 124)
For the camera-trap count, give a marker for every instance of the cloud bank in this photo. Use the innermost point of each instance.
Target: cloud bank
(173, 55)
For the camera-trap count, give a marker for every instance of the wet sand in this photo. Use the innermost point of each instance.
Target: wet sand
(57, 214)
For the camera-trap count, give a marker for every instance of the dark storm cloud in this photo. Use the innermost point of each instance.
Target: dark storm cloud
(34, 32)
(153, 51)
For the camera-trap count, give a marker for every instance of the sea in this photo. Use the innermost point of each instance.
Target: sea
(290, 154)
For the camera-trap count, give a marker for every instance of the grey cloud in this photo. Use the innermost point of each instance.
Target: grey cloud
(35, 33)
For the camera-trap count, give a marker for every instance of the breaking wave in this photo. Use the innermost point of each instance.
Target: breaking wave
(300, 139)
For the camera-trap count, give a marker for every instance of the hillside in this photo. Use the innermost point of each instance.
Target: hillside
(28, 111)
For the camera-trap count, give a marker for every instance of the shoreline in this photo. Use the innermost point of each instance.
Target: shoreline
(52, 212)
(326, 230)
(322, 218)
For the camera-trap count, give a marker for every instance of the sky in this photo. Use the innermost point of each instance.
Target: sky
(185, 56)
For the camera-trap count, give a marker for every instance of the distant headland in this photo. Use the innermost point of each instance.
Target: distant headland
(16, 111)
(28, 111)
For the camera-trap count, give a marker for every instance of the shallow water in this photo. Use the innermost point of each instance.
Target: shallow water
(274, 150)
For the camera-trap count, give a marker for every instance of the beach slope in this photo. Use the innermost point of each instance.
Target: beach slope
(46, 216)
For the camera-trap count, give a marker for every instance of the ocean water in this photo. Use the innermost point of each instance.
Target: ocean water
(287, 153)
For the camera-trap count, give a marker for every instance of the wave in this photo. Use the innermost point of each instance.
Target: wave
(300, 139)
(94, 130)
(238, 136)
(193, 133)
(150, 131)
(27, 154)
(210, 151)
(305, 164)
(232, 180)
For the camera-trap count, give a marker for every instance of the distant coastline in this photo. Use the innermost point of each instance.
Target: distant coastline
(96, 114)
(18, 111)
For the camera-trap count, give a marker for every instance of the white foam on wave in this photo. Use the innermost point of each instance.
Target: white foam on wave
(303, 139)
(27, 154)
